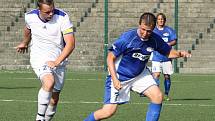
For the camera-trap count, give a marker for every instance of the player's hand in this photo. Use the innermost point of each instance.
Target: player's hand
(21, 48)
(52, 64)
(117, 85)
(185, 54)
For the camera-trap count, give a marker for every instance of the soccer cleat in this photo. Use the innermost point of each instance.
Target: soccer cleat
(166, 98)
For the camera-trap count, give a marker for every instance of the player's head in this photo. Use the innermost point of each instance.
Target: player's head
(147, 23)
(161, 19)
(46, 8)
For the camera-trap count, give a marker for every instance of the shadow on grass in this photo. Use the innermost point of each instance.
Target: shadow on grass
(1, 88)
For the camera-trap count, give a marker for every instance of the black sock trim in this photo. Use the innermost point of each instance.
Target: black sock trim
(43, 115)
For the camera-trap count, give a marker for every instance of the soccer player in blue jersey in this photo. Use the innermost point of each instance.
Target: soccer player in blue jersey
(161, 63)
(126, 61)
(49, 34)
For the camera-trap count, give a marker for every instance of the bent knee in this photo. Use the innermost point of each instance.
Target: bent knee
(109, 113)
(155, 94)
(157, 98)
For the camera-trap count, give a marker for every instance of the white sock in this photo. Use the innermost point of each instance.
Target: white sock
(50, 112)
(43, 102)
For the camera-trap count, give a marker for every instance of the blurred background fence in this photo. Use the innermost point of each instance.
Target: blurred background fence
(98, 22)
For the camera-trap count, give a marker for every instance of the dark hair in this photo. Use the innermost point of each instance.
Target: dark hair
(163, 16)
(148, 19)
(47, 2)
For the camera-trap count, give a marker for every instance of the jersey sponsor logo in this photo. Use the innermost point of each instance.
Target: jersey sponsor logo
(166, 34)
(149, 49)
(140, 56)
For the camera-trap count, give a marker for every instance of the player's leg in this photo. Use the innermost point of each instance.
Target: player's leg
(45, 95)
(52, 107)
(167, 71)
(59, 76)
(154, 108)
(112, 98)
(167, 84)
(105, 112)
(146, 84)
(156, 70)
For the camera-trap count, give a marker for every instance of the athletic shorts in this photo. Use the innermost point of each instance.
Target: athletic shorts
(58, 72)
(164, 67)
(138, 84)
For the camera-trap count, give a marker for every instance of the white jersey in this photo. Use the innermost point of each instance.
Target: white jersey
(47, 40)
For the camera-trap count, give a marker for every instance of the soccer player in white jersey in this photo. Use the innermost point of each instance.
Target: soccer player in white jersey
(161, 63)
(49, 34)
(126, 61)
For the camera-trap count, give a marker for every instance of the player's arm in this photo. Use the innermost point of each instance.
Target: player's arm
(23, 45)
(177, 54)
(111, 66)
(172, 43)
(69, 47)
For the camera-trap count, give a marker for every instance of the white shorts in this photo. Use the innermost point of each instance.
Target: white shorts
(138, 84)
(164, 67)
(58, 72)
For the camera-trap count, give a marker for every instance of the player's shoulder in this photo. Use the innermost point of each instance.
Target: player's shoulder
(129, 33)
(168, 28)
(60, 12)
(33, 12)
(155, 37)
(31, 15)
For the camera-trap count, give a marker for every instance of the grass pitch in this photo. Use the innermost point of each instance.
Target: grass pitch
(193, 98)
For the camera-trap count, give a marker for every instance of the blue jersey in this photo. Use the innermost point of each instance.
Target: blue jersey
(168, 35)
(133, 53)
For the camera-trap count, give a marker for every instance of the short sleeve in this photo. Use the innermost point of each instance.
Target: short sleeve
(173, 35)
(119, 46)
(27, 21)
(66, 26)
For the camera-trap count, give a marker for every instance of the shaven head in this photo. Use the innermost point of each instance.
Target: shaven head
(148, 19)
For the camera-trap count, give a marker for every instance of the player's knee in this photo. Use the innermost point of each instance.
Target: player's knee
(157, 97)
(167, 77)
(109, 113)
(156, 75)
(48, 85)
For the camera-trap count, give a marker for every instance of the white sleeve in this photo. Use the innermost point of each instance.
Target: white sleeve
(26, 21)
(66, 24)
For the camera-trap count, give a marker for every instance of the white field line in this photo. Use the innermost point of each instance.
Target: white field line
(133, 103)
(102, 79)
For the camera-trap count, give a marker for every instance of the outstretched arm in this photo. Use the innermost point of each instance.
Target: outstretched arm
(23, 45)
(177, 54)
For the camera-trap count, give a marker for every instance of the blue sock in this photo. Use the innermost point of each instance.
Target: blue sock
(157, 81)
(167, 84)
(90, 117)
(153, 112)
